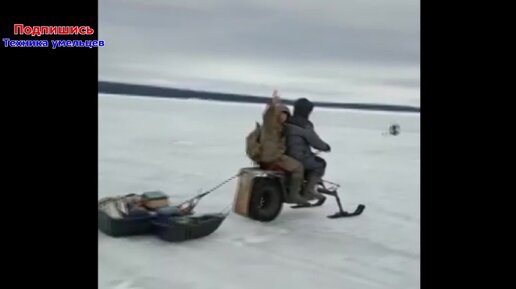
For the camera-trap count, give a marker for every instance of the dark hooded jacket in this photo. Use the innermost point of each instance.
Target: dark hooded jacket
(302, 110)
(300, 133)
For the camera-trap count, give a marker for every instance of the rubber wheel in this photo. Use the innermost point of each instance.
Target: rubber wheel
(266, 200)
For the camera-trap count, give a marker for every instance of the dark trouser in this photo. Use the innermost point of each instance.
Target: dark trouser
(293, 166)
(315, 165)
(315, 168)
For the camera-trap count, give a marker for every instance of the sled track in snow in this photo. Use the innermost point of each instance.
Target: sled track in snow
(155, 91)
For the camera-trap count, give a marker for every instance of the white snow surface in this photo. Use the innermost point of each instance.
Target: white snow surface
(181, 146)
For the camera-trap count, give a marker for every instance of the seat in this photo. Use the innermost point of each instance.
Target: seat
(271, 167)
(275, 167)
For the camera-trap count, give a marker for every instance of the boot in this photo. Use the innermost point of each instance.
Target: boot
(293, 192)
(310, 190)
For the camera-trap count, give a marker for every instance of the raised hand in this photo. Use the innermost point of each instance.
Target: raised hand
(275, 97)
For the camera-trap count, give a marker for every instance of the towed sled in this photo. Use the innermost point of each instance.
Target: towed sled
(113, 223)
(178, 229)
(261, 193)
(151, 213)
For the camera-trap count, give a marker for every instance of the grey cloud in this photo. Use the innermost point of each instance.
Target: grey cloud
(408, 83)
(259, 32)
(283, 34)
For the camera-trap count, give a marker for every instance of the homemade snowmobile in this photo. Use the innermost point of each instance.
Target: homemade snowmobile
(261, 192)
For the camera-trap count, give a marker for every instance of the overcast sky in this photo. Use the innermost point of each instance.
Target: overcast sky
(338, 50)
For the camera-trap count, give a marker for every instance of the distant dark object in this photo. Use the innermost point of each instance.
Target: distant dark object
(394, 129)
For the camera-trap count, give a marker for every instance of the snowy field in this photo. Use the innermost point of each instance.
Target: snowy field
(181, 146)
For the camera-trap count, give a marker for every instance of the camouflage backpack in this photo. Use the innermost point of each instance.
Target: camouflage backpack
(253, 148)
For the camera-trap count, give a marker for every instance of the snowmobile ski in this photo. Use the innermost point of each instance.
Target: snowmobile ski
(342, 214)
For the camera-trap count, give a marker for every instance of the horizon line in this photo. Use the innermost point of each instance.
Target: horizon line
(112, 87)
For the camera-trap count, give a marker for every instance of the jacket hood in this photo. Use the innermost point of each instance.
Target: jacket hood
(303, 107)
(284, 108)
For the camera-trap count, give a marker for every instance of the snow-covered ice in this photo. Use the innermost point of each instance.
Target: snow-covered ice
(182, 146)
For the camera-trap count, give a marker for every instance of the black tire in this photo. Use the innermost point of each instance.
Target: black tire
(266, 200)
